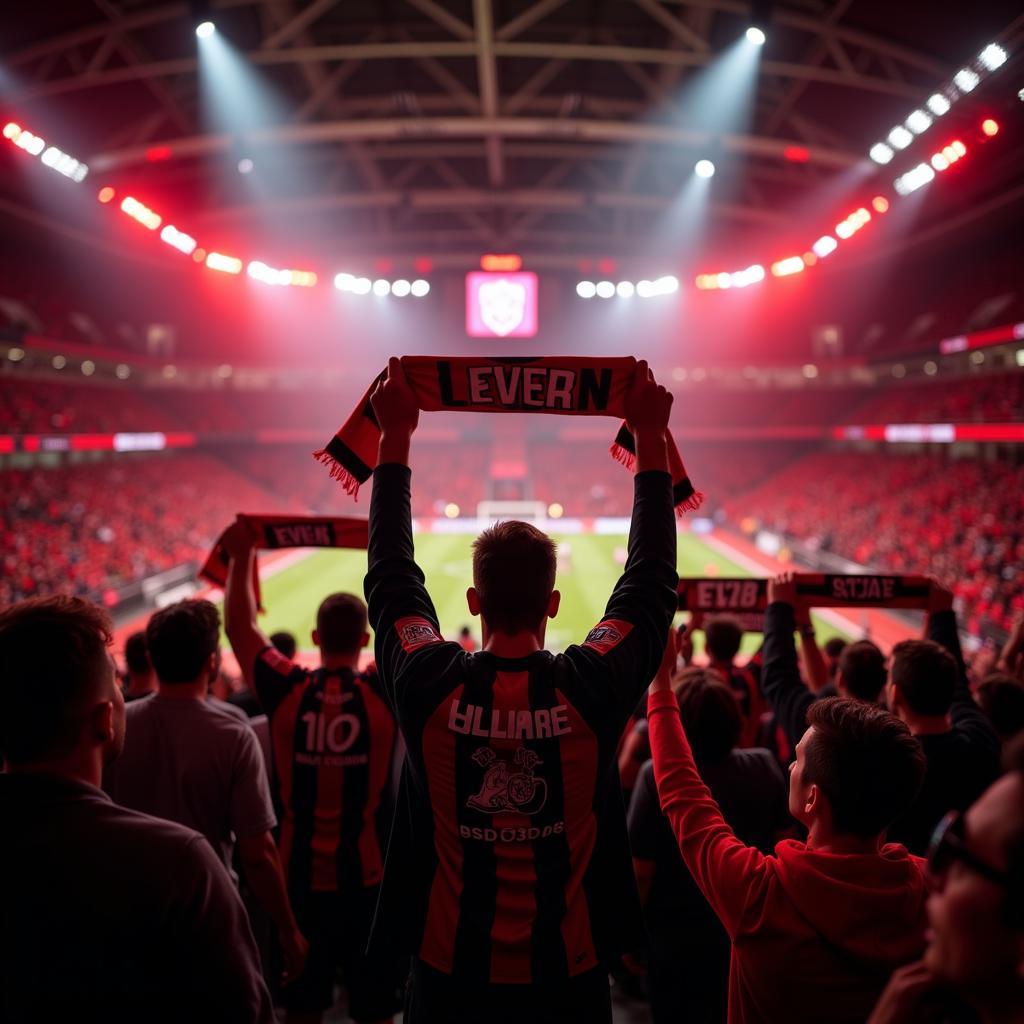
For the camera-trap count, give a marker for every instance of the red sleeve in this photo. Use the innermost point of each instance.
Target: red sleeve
(729, 873)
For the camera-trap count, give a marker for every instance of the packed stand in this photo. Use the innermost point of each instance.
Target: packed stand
(982, 399)
(88, 530)
(957, 519)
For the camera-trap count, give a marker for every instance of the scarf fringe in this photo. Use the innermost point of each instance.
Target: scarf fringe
(623, 455)
(338, 472)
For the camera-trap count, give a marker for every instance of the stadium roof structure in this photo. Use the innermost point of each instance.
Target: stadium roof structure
(433, 127)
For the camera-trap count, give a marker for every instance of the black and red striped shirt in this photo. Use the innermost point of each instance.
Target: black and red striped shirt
(333, 738)
(509, 861)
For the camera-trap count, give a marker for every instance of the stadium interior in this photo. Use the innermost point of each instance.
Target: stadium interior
(807, 216)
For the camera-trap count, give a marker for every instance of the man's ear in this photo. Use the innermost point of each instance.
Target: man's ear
(841, 684)
(101, 723)
(553, 603)
(812, 802)
(316, 638)
(213, 668)
(473, 601)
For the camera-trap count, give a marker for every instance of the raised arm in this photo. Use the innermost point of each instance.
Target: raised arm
(400, 610)
(622, 652)
(726, 871)
(244, 635)
(964, 714)
(780, 676)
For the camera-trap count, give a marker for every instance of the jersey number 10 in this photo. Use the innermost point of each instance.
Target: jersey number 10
(337, 734)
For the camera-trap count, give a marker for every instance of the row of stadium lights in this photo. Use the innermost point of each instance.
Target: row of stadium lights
(257, 269)
(50, 156)
(919, 121)
(917, 177)
(627, 289)
(991, 58)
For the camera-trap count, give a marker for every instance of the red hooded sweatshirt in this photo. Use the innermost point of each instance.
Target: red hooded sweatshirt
(814, 935)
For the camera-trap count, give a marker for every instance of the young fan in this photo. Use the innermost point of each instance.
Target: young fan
(508, 875)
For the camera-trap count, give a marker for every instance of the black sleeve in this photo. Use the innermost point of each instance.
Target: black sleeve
(967, 719)
(610, 670)
(644, 815)
(273, 677)
(780, 674)
(406, 632)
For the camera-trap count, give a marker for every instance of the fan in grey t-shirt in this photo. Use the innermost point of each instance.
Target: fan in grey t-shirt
(188, 761)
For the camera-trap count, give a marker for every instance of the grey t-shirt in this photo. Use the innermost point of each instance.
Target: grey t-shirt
(187, 761)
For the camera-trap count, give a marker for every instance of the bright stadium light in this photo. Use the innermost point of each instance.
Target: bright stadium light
(914, 179)
(992, 57)
(625, 289)
(645, 289)
(938, 104)
(918, 121)
(790, 265)
(755, 36)
(362, 286)
(899, 137)
(401, 288)
(880, 153)
(990, 127)
(344, 282)
(704, 169)
(420, 288)
(824, 245)
(605, 289)
(178, 239)
(205, 29)
(381, 287)
(225, 264)
(966, 79)
(586, 289)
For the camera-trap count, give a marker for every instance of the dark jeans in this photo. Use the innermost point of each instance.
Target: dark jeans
(435, 998)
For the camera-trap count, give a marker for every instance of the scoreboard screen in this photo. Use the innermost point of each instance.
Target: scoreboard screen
(501, 305)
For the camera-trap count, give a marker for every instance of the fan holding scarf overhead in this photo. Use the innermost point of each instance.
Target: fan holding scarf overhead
(562, 385)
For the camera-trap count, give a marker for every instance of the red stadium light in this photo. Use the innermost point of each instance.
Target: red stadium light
(797, 154)
(157, 153)
(505, 262)
(990, 127)
(225, 264)
(787, 266)
(105, 194)
(143, 214)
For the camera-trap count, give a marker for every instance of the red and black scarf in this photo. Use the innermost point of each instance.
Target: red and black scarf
(565, 386)
(273, 532)
(744, 597)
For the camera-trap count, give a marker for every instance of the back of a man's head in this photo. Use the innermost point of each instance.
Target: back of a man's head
(862, 671)
(865, 761)
(924, 674)
(54, 666)
(181, 638)
(1001, 697)
(136, 654)
(710, 713)
(513, 574)
(284, 642)
(722, 637)
(341, 624)
(834, 646)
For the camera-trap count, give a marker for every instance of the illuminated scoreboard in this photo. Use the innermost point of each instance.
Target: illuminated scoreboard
(501, 304)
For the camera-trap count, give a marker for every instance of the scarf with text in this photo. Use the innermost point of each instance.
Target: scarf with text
(747, 598)
(274, 532)
(567, 386)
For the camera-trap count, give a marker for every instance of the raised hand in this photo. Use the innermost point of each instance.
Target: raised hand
(782, 588)
(394, 403)
(648, 404)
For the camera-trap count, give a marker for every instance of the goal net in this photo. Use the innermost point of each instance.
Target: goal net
(527, 511)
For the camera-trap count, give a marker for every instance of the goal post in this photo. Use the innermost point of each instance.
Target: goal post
(527, 511)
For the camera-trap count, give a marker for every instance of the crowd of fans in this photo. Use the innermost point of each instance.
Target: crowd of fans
(960, 519)
(88, 530)
(778, 809)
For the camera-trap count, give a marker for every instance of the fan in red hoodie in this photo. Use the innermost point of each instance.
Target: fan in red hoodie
(818, 927)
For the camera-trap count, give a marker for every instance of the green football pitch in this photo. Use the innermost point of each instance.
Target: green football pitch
(585, 578)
